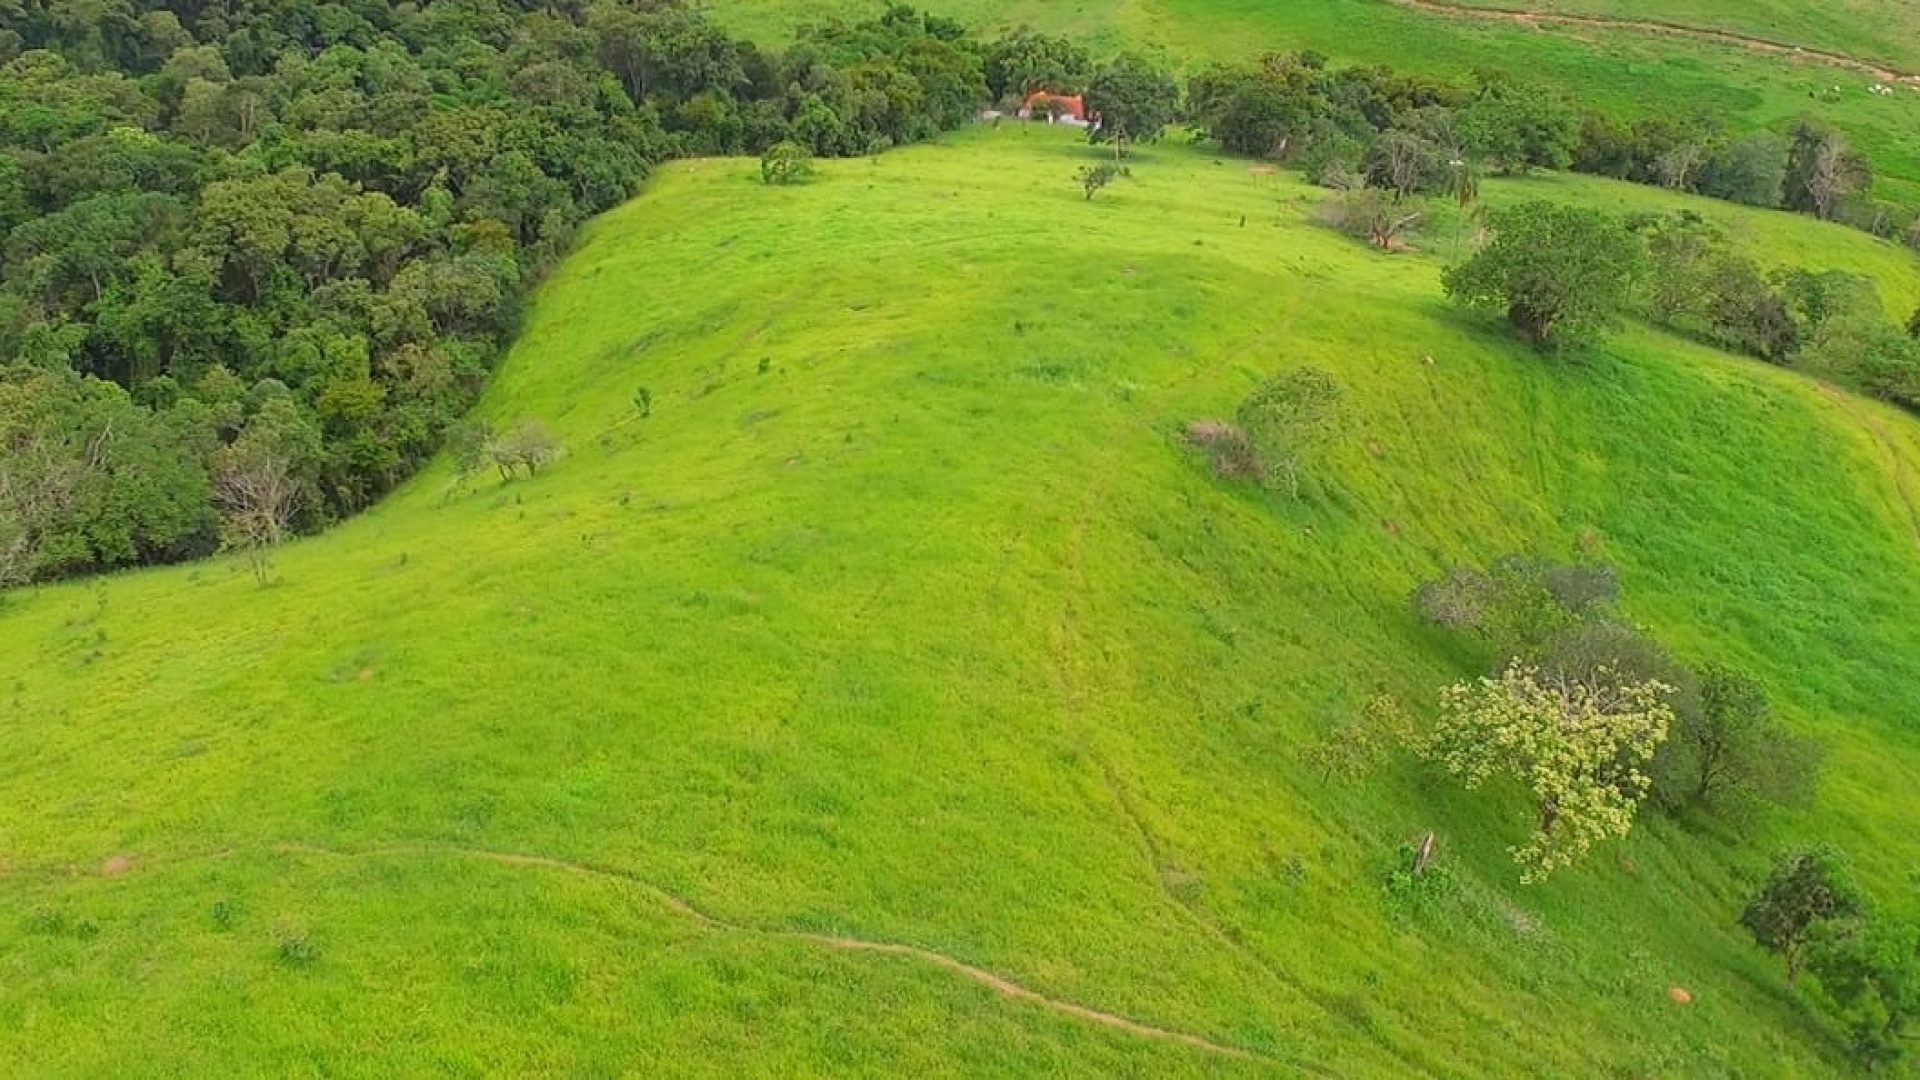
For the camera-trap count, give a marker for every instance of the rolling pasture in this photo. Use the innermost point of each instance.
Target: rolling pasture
(903, 697)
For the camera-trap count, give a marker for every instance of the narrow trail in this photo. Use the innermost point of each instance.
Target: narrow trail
(1731, 38)
(1073, 699)
(684, 908)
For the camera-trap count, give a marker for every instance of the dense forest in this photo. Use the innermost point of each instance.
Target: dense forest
(269, 250)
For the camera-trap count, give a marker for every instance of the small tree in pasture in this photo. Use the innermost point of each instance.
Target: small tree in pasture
(1094, 177)
(1806, 888)
(1873, 973)
(785, 163)
(528, 446)
(1369, 214)
(1728, 752)
(258, 486)
(1288, 419)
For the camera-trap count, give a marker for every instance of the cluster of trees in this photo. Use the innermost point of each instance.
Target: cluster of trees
(305, 228)
(1830, 322)
(1417, 134)
(1563, 275)
(1593, 717)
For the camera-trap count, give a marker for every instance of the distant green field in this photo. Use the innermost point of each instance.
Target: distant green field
(1627, 73)
(906, 619)
(1885, 31)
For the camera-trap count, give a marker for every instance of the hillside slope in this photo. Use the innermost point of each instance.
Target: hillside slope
(905, 619)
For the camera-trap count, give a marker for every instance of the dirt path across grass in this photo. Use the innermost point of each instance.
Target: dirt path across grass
(121, 866)
(1532, 17)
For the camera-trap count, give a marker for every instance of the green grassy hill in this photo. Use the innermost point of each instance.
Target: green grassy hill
(907, 620)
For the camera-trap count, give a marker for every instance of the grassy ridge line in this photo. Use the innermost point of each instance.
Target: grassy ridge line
(806, 646)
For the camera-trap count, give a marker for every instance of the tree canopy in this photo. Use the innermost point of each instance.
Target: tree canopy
(1561, 273)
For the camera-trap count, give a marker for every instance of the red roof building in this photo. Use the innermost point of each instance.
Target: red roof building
(1068, 107)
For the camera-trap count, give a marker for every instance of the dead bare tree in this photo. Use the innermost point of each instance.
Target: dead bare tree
(1834, 173)
(258, 495)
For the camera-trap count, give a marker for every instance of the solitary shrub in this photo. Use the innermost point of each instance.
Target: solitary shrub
(785, 163)
(1288, 419)
(1355, 745)
(293, 946)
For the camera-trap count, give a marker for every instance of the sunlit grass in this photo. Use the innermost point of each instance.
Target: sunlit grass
(907, 617)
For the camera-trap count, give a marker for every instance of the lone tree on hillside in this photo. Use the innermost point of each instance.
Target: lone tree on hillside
(258, 483)
(1582, 750)
(1807, 887)
(528, 446)
(1368, 214)
(785, 163)
(1133, 100)
(1560, 272)
(1288, 419)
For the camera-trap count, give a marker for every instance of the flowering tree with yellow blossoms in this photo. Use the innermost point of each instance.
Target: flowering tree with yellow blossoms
(1580, 747)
